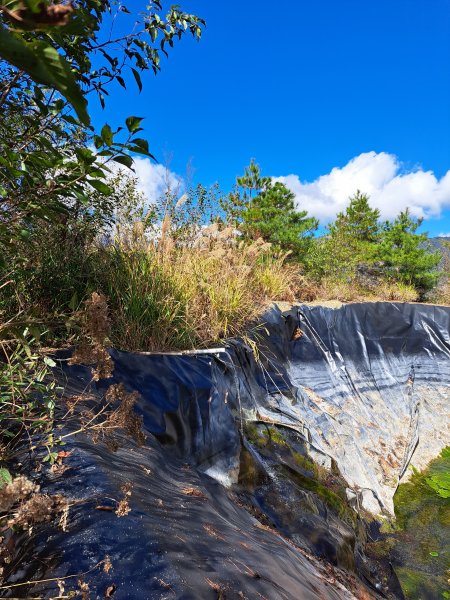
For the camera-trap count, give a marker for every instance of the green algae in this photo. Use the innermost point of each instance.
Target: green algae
(381, 549)
(417, 543)
(305, 464)
(250, 474)
(439, 479)
(274, 436)
(421, 534)
(328, 497)
(300, 469)
(415, 584)
(251, 432)
(254, 435)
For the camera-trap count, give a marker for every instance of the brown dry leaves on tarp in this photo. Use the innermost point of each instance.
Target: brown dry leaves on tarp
(120, 415)
(298, 333)
(96, 330)
(123, 508)
(116, 413)
(26, 505)
(124, 416)
(193, 491)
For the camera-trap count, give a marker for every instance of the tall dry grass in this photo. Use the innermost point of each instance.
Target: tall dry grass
(353, 291)
(166, 296)
(441, 295)
(395, 291)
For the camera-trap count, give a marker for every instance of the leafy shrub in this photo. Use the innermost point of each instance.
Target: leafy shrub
(27, 390)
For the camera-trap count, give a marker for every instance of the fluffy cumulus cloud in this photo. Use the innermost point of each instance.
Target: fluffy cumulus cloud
(380, 175)
(152, 179)
(155, 179)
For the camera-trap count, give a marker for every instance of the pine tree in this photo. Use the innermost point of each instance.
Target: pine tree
(359, 222)
(246, 187)
(351, 240)
(406, 254)
(272, 216)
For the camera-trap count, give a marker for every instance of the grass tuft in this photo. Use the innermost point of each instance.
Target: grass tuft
(164, 296)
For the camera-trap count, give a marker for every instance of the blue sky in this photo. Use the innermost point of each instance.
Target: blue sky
(325, 94)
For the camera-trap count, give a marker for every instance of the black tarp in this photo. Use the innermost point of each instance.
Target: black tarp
(369, 384)
(348, 387)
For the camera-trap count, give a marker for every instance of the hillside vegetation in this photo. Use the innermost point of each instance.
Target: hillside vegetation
(195, 266)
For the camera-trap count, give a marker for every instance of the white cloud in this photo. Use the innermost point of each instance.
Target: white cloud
(380, 176)
(152, 179)
(444, 235)
(155, 179)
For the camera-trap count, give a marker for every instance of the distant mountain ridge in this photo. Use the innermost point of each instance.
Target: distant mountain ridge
(443, 245)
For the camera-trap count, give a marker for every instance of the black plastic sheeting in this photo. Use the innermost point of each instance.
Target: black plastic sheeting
(343, 386)
(368, 384)
(171, 544)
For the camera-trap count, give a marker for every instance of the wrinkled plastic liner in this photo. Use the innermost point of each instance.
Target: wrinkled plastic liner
(366, 387)
(369, 384)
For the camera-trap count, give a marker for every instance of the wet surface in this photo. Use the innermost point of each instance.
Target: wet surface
(419, 540)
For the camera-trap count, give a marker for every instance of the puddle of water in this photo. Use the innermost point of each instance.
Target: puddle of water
(419, 543)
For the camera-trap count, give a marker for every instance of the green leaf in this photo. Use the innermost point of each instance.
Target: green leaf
(141, 145)
(124, 159)
(49, 362)
(138, 78)
(85, 155)
(35, 332)
(107, 135)
(70, 119)
(98, 142)
(5, 477)
(434, 554)
(96, 171)
(33, 5)
(133, 123)
(51, 457)
(73, 304)
(440, 483)
(45, 65)
(100, 186)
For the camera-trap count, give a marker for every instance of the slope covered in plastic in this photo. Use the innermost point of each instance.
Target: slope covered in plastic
(258, 462)
(367, 384)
